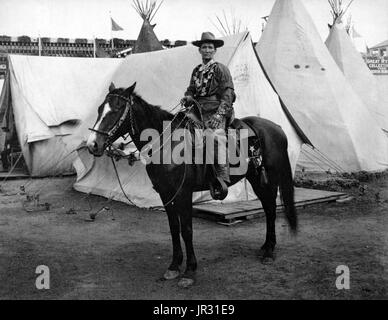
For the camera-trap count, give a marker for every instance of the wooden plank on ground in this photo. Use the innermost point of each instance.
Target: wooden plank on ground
(240, 209)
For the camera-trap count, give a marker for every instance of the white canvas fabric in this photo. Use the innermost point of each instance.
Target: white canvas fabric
(51, 96)
(163, 83)
(382, 83)
(317, 94)
(255, 95)
(351, 63)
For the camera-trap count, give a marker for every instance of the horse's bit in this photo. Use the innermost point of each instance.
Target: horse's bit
(110, 134)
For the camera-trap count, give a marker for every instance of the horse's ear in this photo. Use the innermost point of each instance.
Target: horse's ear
(112, 87)
(130, 90)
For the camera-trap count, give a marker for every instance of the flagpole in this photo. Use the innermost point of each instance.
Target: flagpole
(94, 46)
(111, 31)
(39, 46)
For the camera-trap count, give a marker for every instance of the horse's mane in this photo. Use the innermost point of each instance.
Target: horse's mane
(155, 113)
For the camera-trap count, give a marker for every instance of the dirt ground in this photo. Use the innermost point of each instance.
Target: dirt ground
(126, 250)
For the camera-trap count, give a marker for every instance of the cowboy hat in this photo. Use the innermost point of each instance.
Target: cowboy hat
(208, 37)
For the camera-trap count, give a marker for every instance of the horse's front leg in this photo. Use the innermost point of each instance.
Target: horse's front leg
(173, 270)
(184, 204)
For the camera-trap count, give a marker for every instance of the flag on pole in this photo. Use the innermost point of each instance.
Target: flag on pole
(115, 26)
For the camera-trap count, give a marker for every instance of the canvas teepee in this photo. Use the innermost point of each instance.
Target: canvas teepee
(338, 10)
(356, 71)
(340, 126)
(147, 40)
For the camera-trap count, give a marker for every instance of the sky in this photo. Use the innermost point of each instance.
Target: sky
(176, 19)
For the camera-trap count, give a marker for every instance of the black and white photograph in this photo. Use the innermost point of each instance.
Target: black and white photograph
(193, 154)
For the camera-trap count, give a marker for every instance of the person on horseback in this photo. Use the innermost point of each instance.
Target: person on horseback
(211, 85)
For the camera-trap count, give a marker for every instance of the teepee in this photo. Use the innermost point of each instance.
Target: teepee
(147, 40)
(357, 73)
(345, 135)
(338, 10)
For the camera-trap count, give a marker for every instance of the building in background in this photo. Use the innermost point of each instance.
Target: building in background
(377, 58)
(65, 47)
(380, 49)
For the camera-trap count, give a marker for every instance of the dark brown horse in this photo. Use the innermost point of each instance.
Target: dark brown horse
(123, 111)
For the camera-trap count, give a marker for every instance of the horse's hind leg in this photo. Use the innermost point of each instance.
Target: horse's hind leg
(184, 204)
(173, 271)
(267, 193)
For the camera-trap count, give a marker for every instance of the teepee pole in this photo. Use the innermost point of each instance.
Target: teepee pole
(227, 25)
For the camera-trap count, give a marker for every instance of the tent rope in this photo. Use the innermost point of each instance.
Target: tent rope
(331, 161)
(319, 156)
(322, 157)
(313, 160)
(318, 161)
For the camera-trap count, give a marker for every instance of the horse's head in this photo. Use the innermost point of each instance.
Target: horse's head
(111, 115)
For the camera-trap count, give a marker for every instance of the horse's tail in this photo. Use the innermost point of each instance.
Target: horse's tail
(287, 192)
(283, 168)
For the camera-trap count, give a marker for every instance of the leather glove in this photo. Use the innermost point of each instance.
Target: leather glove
(187, 100)
(224, 109)
(215, 121)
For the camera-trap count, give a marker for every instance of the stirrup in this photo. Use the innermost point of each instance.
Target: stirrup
(218, 189)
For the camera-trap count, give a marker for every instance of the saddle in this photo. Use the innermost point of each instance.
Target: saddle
(217, 186)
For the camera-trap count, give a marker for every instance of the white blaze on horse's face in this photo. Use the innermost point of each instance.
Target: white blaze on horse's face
(93, 136)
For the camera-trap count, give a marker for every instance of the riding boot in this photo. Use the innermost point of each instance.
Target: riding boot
(222, 171)
(218, 187)
(219, 190)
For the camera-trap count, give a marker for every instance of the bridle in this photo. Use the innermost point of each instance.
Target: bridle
(112, 132)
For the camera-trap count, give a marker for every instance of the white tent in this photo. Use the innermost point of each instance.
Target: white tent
(382, 83)
(364, 83)
(50, 97)
(345, 135)
(163, 83)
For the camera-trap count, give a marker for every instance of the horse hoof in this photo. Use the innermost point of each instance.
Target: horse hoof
(267, 260)
(185, 283)
(171, 274)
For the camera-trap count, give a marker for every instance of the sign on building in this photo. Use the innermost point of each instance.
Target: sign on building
(378, 65)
